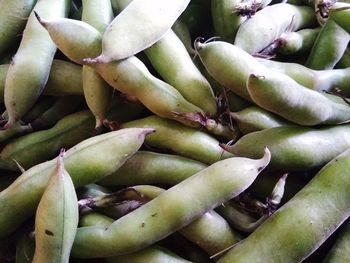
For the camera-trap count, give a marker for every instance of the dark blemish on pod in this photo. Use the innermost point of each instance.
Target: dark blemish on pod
(260, 168)
(143, 224)
(153, 215)
(48, 232)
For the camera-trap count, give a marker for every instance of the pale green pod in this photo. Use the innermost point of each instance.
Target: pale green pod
(157, 219)
(269, 23)
(137, 27)
(56, 219)
(185, 141)
(40, 146)
(13, 17)
(282, 95)
(77, 39)
(153, 168)
(183, 33)
(328, 47)
(300, 226)
(340, 251)
(30, 67)
(226, 19)
(98, 94)
(87, 162)
(340, 13)
(255, 118)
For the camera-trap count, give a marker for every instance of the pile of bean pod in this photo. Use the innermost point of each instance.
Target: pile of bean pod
(174, 131)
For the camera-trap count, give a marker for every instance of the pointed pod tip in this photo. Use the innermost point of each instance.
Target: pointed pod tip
(101, 59)
(60, 156)
(267, 156)
(43, 22)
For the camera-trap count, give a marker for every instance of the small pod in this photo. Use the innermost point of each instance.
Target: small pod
(153, 168)
(157, 219)
(282, 95)
(57, 217)
(185, 141)
(269, 23)
(86, 162)
(137, 27)
(300, 226)
(295, 148)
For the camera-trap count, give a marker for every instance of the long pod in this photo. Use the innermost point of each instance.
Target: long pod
(87, 162)
(185, 141)
(282, 95)
(56, 218)
(13, 15)
(299, 227)
(77, 40)
(157, 219)
(269, 23)
(295, 148)
(139, 26)
(38, 147)
(97, 92)
(30, 67)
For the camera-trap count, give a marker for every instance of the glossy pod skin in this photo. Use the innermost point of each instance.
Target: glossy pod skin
(328, 47)
(97, 93)
(295, 148)
(269, 23)
(65, 79)
(56, 219)
(185, 141)
(282, 95)
(138, 26)
(40, 146)
(340, 251)
(156, 219)
(13, 15)
(299, 227)
(30, 67)
(340, 13)
(86, 162)
(77, 40)
(153, 168)
(255, 118)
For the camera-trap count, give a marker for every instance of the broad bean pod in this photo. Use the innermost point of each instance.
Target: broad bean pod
(13, 15)
(185, 141)
(340, 13)
(40, 146)
(269, 23)
(30, 67)
(153, 19)
(153, 168)
(77, 40)
(282, 95)
(56, 218)
(157, 219)
(300, 226)
(295, 148)
(86, 162)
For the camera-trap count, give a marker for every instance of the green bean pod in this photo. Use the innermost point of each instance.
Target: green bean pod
(183, 33)
(153, 168)
(13, 16)
(30, 67)
(157, 219)
(185, 141)
(38, 147)
(254, 118)
(56, 219)
(97, 92)
(300, 226)
(328, 47)
(295, 148)
(340, 251)
(344, 61)
(62, 107)
(269, 23)
(15, 130)
(226, 20)
(340, 13)
(153, 18)
(25, 248)
(77, 39)
(282, 95)
(86, 162)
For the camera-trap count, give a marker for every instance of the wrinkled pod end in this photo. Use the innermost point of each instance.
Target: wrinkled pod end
(59, 163)
(42, 21)
(101, 59)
